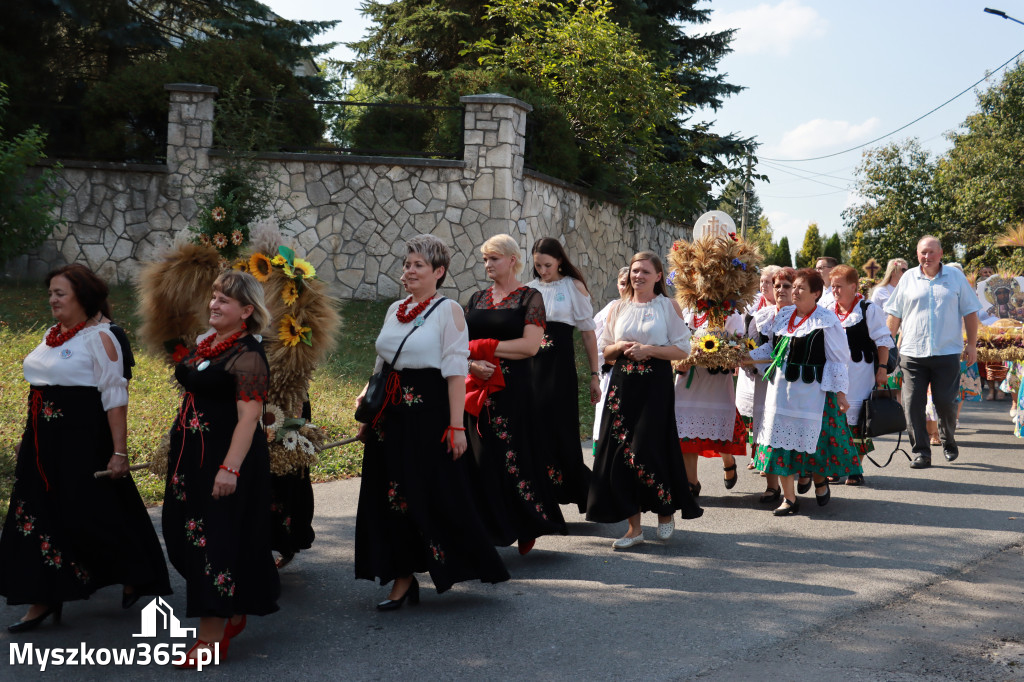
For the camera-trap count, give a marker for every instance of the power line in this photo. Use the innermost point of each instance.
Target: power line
(810, 177)
(929, 113)
(805, 196)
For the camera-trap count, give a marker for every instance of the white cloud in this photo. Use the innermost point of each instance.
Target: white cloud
(770, 28)
(821, 135)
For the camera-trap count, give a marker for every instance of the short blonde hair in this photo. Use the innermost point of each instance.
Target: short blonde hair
(247, 290)
(504, 245)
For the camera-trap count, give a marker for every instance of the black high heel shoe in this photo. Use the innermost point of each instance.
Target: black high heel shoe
(695, 490)
(412, 594)
(730, 483)
(128, 599)
(802, 487)
(28, 625)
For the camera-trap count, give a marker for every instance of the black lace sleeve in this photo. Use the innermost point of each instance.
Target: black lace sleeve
(127, 357)
(533, 301)
(252, 374)
(473, 300)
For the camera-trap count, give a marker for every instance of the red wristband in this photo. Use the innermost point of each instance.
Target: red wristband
(230, 470)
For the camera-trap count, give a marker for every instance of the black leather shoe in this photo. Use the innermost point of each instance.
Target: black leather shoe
(921, 462)
(950, 455)
(412, 594)
(823, 499)
(730, 483)
(695, 490)
(770, 495)
(802, 487)
(856, 479)
(28, 625)
(787, 508)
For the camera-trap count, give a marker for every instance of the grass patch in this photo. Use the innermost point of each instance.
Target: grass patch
(24, 317)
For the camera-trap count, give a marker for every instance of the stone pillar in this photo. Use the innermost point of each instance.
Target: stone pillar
(495, 142)
(189, 139)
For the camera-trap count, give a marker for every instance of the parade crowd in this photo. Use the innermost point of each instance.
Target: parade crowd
(471, 422)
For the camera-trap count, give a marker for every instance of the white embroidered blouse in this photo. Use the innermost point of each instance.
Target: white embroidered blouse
(563, 302)
(439, 344)
(81, 361)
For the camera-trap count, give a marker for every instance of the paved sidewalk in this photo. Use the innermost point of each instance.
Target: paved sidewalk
(918, 576)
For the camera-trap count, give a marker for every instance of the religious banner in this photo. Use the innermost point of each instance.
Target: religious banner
(1002, 296)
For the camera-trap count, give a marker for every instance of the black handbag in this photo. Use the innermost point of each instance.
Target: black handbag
(377, 388)
(881, 414)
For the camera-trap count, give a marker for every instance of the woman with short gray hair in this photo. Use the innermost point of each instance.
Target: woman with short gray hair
(416, 511)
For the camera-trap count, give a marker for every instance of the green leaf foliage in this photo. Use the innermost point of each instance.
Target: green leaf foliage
(897, 207)
(979, 183)
(27, 200)
(811, 249)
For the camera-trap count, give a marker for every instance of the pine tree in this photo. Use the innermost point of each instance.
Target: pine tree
(833, 248)
(812, 248)
(781, 255)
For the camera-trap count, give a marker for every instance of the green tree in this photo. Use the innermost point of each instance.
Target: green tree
(128, 112)
(811, 249)
(781, 254)
(27, 201)
(897, 207)
(731, 201)
(978, 183)
(833, 247)
(53, 52)
(417, 51)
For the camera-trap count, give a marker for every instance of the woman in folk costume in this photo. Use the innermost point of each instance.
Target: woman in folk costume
(706, 417)
(638, 467)
(804, 427)
(869, 339)
(782, 286)
(555, 388)
(416, 511)
(746, 386)
(506, 323)
(606, 368)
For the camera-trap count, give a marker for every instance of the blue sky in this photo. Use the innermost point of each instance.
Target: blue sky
(821, 77)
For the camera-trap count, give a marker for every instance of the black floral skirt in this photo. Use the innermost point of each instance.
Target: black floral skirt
(556, 391)
(638, 466)
(416, 509)
(67, 534)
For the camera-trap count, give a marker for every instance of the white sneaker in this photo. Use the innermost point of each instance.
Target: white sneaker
(626, 543)
(665, 530)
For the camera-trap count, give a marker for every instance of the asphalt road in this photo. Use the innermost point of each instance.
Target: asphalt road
(917, 576)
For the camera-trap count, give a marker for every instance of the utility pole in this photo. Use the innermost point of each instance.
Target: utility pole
(746, 191)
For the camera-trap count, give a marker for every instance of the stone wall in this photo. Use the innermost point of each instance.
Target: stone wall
(351, 215)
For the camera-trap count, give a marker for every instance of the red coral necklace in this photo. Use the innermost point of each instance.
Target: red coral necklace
(206, 349)
(55, 337)
(405, 316)
(842, 317)
(792, 318)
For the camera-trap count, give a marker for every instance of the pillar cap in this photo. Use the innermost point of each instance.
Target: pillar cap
(495, 98)
(192, 87)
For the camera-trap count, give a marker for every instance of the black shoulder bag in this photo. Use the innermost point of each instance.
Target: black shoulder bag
(376, 395)
(881, 414)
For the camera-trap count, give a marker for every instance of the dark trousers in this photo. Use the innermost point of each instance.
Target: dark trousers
(942, 372)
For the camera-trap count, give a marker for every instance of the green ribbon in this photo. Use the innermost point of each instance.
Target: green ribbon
(778, 357)
(689, 377)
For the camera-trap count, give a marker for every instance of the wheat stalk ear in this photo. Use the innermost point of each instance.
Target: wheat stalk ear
(1012, 236)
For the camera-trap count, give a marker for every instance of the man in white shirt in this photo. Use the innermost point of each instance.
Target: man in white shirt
(824, 266)
(931, 303)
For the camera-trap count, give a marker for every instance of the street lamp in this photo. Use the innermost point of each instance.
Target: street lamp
(1004, 15)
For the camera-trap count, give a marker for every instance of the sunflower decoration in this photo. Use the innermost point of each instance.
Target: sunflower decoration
(289, 293)
(303, 269)
(709, 344)
(279, 261)
(291, 332)
(241, 265)
(260, 266)
(750, 344)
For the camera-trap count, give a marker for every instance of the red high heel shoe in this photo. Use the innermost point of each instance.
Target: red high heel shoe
(191, 658)
(232, 630)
